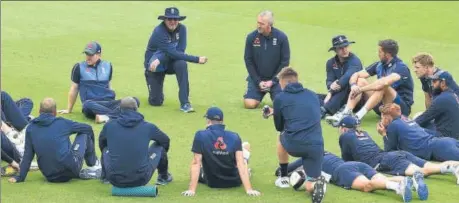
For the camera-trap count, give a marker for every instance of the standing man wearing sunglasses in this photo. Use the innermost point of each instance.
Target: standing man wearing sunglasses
(165, 54)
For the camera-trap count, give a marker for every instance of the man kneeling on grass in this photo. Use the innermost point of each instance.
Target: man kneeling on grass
(224, 158)
(128, 159)
(58, 159)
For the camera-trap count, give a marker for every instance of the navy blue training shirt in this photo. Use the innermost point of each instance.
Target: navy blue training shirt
(359, 146)
(330, 163)
(173, 44)
(444, 111)
(297, 114)
(47, 136)
(342, 71)
(128, 140)
(407, 135)
(218, 148)
(265, 56)
(405, 86)
(427, 84)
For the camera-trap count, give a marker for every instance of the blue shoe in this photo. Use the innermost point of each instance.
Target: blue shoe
(420, 186)
(405, 189)
(164, 179)
(187, 108)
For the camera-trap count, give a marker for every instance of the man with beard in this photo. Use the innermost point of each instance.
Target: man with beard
(267, 52)
(394, 84)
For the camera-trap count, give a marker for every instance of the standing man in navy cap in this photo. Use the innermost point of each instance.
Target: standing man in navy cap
(91, 79)
(220, 158)
(267, 51)
(165, 54)
(339, 70)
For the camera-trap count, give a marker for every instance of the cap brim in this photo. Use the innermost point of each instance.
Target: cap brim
(88, 53)
(179, 18)
(341, 45)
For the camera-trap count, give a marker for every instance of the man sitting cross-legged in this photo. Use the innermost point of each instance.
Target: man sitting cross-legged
(128, 159)
(58, 159)
(222, 155)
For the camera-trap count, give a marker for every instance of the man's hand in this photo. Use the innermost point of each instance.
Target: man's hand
(253, 193)
(66, 111)
(202, 59)
(264, 86)
(355, 91)
(188, 193)
(327, 98)
(15, 165)
(12, 180)
(267, 111)
(269, 83)
(381, 129)
(153, 65)
(335, 86)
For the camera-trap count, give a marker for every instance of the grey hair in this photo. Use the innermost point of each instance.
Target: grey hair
(270, 15)
(48, 105)
(128, 103)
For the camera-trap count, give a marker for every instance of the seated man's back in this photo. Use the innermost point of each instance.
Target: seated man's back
(218, 148)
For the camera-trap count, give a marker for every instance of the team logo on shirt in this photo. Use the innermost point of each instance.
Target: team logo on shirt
(335, 66)
(256, 42)
(274, 41)
(177, 36)
(220, 144)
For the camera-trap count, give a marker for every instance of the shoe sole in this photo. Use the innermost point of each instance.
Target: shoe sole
(187, 111)
(319, 191)
(85, 175)
(407, 197)
(423, 191)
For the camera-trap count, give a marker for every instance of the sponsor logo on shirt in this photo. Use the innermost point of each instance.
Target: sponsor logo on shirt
(177, 36)
(274, 41)
(220, 147)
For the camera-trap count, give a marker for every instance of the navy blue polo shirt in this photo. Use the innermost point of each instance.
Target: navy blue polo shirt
(342, 71)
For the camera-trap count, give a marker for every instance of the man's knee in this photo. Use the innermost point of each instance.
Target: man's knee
(251, 103)
(362, 183)
(179, 65)
(362, 82)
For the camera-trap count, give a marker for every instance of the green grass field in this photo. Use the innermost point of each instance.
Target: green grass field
(42, 40)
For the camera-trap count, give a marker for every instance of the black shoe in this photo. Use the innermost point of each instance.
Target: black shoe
(164, 179)
(319, 190)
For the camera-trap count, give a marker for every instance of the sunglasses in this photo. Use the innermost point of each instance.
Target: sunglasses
(171, 19)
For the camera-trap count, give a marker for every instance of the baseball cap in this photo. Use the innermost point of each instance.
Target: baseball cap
(442, 75)
(92, 48)
(214, 113)
(349, 122)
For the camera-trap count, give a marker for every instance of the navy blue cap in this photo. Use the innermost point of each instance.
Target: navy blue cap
(349, 122)
(92, 48)
(441, 75)
(171, 13)
(214, 113)
(340, 41)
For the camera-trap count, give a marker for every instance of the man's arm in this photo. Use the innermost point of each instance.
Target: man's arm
(382, 83)
(278, 118)
(161, 138)
(346, 151)
(330, 75)
(354, 67)
(248, 58)
(81, 128)
(428, 99)
(182, 40)
(357, 75)
(26, 159)
(285, 58)
(6, 158)
(391, 138)
(164, 45)
(194, 172)
(243, 171)
(437, 108)
(102, 139)
(73, 92)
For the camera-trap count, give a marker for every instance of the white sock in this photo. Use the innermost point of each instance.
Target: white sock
(447, 169)
(361, 113)
(391, 185)
(347, 110)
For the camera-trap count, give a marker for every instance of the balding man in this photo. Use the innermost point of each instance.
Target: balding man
(59, 160)
(128, 159)
(267, 51)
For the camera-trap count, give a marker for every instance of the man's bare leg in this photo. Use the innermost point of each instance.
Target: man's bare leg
(386, 95)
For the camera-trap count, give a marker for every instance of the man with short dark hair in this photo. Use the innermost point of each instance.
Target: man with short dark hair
(297, 117)
(394, 84)
(340, 68)
(165, 54)
(91, 80)
(444, 110)
(220, 158)
(128, 159)
(59, 160)
(267, 51)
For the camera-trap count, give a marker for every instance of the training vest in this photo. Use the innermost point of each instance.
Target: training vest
(94, 82)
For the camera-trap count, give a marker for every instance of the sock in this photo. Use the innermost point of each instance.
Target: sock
(391, 185)
(284, 172)
(361, 113)
(447, 169)
(347, 110)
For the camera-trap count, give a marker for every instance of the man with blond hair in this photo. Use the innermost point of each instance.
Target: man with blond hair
(424, 67)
